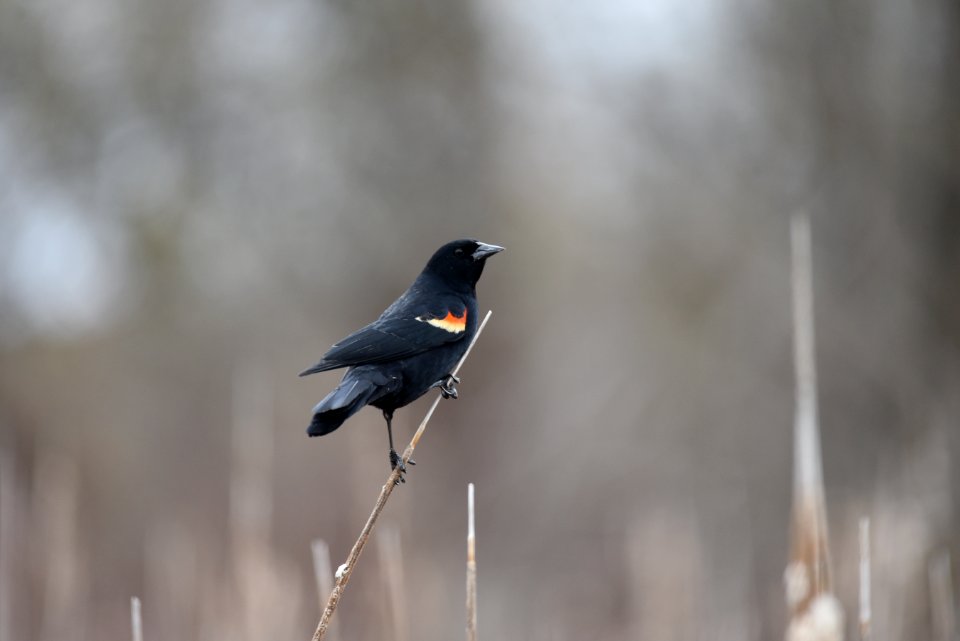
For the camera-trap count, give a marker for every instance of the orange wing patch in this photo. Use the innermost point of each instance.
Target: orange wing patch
(450, 323)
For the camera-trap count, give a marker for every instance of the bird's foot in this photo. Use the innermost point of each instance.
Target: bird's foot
(446, 385)
(397, 461)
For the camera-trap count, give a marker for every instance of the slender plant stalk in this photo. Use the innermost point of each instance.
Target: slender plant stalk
(809, 529)
(865, 614)
(136, 623)
(344, 572)
(471, 570)
(324, 576)
(809, 504)
(807, 577)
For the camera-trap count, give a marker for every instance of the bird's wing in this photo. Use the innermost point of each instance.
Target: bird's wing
(390, 339)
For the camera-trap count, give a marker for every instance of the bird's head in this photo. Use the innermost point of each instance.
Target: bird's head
(461, 261)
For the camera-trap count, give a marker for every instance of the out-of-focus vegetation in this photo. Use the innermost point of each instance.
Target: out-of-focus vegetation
(198, 198)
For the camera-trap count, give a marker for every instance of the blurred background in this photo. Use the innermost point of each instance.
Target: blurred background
(197, 198)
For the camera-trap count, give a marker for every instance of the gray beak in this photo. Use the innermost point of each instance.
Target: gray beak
(484, 250)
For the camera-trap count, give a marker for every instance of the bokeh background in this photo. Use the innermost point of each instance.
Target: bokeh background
(198, 197)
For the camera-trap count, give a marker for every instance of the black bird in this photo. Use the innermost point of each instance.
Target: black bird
(412, 347)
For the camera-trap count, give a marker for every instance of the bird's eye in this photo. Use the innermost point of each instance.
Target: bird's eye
(458, 252)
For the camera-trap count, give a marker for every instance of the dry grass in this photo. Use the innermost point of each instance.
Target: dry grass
(665, 564)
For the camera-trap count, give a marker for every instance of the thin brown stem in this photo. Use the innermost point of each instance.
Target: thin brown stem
(345, 570)
(323, 574)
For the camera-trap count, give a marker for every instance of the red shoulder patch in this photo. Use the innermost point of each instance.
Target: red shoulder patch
(449, 323)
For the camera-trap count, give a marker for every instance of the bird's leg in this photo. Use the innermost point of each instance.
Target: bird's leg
(395, 459)
(446, 385)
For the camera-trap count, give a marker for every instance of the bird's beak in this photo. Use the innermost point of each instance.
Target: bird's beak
(484, 250)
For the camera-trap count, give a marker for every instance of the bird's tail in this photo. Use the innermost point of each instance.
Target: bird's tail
(351, 395)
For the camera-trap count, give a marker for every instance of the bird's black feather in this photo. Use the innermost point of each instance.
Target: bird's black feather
(384, 340)
(414, 344)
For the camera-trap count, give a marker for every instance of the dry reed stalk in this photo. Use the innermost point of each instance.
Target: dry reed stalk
(391, 562)
(865, 614)
(323, 573)
(941, 598)
(471, 569)
(345, 570)
(136, 622)
(814, 613)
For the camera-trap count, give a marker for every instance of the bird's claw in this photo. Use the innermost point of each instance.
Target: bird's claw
(446, 385)
(397, 461)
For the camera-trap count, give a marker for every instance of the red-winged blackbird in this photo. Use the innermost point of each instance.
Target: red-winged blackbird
(412, 347)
